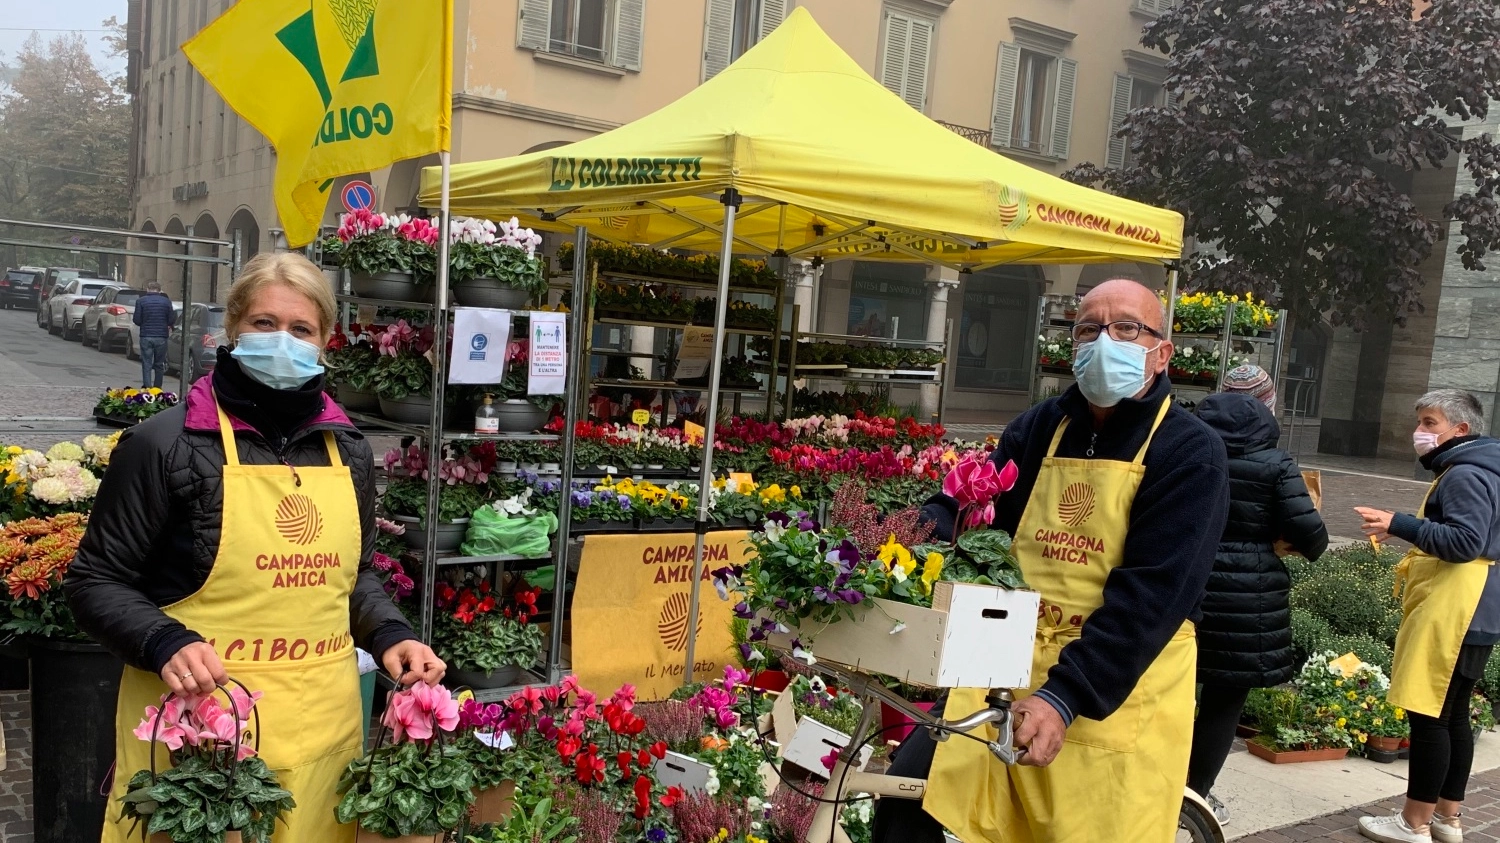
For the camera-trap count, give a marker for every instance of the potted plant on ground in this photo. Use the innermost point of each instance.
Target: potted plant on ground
(217, 790)
(495, 266)
(419, 786)
(464, 490)
(403, 373)
(129, 406)
(350, 359)
(389, 256)
(72, 679)
(485, 642)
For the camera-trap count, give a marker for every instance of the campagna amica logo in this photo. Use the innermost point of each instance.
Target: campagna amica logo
(298, 520)
(673, 625)
(1077, 504)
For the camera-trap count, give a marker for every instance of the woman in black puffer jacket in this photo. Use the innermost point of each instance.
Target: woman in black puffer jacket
(1245, 638)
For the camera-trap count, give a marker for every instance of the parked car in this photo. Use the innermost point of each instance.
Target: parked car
(53, 281)
(65, 307)
(20, 287)
(133, 337)
(205, 327)
(106, 322)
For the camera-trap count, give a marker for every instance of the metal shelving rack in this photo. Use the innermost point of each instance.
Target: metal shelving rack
(554, 666)
(883, 382)
(1225, 339)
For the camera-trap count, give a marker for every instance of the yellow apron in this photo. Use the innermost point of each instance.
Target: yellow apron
(1120, 778)
(276, 610)
(1437, 606)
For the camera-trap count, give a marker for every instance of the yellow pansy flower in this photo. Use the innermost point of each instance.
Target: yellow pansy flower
(772, 494)
(1400, 714)
(1340, 722)
(893, 555)
(932, 568)
(795, 491)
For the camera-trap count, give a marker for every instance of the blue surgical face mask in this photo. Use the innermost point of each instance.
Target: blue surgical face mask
(277, 359)
(1110, 371)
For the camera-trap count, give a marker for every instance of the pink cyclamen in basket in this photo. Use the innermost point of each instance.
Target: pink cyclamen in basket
(974, 483)
(417, 713)
(201, 722)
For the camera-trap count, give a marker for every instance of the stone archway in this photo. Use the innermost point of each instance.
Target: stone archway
(243, 225)
(140, 270)
(205, 287)
(169, 272)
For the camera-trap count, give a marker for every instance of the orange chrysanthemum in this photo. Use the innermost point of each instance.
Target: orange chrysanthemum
(30, 579)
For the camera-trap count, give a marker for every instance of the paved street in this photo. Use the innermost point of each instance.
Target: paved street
(48, 386)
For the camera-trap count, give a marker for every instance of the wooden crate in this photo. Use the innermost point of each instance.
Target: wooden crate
(974, 636)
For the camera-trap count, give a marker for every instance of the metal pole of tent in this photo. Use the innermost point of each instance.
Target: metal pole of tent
(576, 394)
(1171, 301)
(731, 200)
(187, 311)
(435, 412)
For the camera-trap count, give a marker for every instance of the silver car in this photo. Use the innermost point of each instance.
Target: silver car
(205, 328)
(106, 322)
(65, 308)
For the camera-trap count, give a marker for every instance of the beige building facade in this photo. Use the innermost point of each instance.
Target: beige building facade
(1044, 83)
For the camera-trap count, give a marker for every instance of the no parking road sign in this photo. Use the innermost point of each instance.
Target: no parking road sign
(358, 194)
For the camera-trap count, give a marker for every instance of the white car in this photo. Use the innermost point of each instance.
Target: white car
(65, 308)
(106, 322)
(133, 335)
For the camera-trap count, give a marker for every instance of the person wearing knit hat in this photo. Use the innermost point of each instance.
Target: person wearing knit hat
(1253, 381)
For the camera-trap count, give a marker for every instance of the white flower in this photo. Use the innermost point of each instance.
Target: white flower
(1187, 352)
(711, 786)
(774, 531)
(817, 684)
(65, 451)
(51, 490)
(804, 656)
(900, 626)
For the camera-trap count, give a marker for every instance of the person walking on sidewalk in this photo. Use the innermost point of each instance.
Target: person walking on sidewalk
(1113, 464)
(155, 316)
(1450, 612)
(1245, 637)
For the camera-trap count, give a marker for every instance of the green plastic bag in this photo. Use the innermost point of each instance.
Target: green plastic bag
(491, 533)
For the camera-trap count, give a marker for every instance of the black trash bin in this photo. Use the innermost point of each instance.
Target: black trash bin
(74, 687)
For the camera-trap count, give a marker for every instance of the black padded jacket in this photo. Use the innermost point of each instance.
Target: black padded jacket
(154, 532)
(1245, 637)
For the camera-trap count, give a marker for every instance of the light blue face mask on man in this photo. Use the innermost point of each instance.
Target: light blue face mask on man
(277, 359)
(1110, 371)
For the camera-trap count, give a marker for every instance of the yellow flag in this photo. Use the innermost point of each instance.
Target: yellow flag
(337, 86)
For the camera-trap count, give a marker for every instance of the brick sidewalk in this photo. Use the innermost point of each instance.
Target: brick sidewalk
(15, 780)
(1481, 818)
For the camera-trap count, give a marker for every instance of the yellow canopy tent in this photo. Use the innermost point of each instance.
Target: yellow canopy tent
(829, 163)
(794, 150)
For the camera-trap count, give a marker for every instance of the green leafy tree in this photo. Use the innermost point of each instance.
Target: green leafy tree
(1299, 121)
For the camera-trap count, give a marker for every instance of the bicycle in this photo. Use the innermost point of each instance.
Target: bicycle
(1196, 820)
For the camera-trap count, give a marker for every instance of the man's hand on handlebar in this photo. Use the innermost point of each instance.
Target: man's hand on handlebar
(1039, 731)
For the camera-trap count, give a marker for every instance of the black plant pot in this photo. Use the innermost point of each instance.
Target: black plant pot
(74, 687)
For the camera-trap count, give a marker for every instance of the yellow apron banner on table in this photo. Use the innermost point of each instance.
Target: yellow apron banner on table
(1119, 778)
(1437, 605)
(337, 86)
(630, 611)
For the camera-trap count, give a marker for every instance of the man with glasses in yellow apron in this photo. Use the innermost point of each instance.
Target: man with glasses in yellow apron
(1450, 602)
(1120, 503)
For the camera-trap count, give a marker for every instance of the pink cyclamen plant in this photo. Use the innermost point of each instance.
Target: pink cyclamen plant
(419, 712)
(973, 483)
(201, 724)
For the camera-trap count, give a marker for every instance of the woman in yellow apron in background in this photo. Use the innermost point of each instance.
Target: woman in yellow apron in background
(231, 537)
(1139, 754)
(1450, 612)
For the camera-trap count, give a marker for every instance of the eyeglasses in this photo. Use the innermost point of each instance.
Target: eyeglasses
(1118, 331)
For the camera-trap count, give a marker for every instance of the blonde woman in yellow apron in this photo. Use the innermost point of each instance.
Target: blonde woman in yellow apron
(1450, 602)
(1118, 509)
(232, 537)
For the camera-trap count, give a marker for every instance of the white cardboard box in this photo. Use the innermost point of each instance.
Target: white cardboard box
(974, 636)
(690, 774)
(813, 741)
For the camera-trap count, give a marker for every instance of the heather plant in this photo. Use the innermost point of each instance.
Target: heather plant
(699, 817)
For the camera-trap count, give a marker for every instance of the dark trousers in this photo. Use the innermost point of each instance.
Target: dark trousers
(903, 820)
(1219, 708)
(1442, 747)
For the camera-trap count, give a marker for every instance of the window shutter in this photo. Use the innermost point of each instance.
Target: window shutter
(772, 13)
(534, 26)
(718, 37)
(918, 57)
(630, 27)
(1119, 108)
(1148, 6)
(1007, 74)
(893, 55)
(1171, 100)
(1062, 108)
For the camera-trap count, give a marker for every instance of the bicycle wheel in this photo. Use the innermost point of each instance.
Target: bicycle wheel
(1195, 824)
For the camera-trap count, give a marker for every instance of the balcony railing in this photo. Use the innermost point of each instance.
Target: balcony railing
(979, 136)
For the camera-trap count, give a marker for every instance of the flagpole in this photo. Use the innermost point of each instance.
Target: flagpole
(439, 387)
